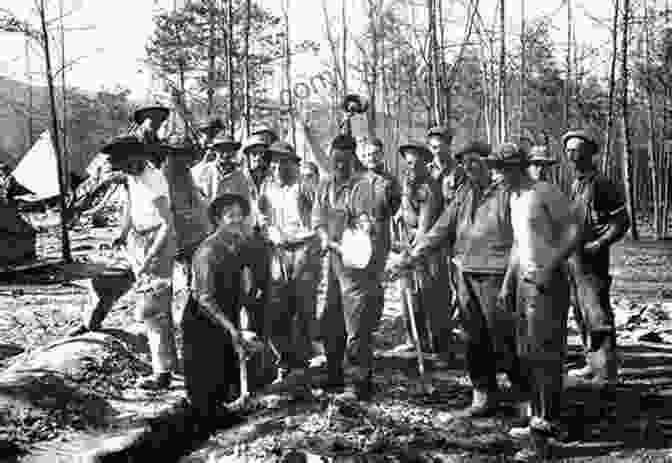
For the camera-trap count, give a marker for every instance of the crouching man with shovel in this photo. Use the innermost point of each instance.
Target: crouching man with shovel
(213, 345)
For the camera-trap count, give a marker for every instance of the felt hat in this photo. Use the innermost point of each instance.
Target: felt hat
(158, 114)
(126, 148)
(227, 199)
(583, 135)
(440, 131)
(211, 126)
(540, 154)
(477, 147)
(507, 155)
(283, 150)
(417, 147)
(354, 104)
(255, 140)
(225, 143)
(344, 143)
(268, 134)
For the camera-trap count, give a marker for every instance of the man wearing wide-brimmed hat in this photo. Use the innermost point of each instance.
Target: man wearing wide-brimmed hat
(257, 159)
(421, 205)
(476, 228)
(290, 316)
(536, 289)
(352, 311)
(443, 167)
(605, 219)
(212, 337)
(148, 233)
(540, 161)
(224, 174)
(148, 121)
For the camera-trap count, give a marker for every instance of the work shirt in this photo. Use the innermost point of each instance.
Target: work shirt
(143, 190)
(214, 181)
(539, 216)
(284, 206)
(597, 201)
(216, 275)
(421, 209)
(335, 206)
(478, 228)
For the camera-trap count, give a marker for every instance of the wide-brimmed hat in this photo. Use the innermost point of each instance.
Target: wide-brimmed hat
(211, 126)
(225, 143)
(268, 134)
(283, 150)
(540, 154)
(227, 199)
(417, 147)
(254, 140)
(354, 104)
(158, 114)
(584, 135)
(440, 131)
(477, 147)
(126, 148)
(507, 155)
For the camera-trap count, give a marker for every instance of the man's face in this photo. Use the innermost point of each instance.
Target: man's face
(224, 156)
(308, 174)
(474, 167)
(576, 150)
(439, 149)
(342, 161)
(372, 158)
(256, 154)
(415, 163)
(232, 216)
(512, 175)
(538, 172)
(282, 170)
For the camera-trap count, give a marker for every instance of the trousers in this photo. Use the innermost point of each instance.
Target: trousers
(489, 332)
(350, 316)
(290, 313)
(541, 335)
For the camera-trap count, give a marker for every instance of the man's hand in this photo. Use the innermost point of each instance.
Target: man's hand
(119, 242)
(541, 277)
(506, 300)
(592, 247)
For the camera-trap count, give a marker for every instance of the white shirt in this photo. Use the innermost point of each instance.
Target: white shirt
(282, 208)
(539, 216)
(143, 190)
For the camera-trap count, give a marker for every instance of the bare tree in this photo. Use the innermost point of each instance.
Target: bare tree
(625, 126)
(612, 87)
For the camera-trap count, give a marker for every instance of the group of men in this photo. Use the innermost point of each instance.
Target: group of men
(478, 229)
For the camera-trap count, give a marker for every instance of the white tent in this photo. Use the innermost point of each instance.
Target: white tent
(38, 170)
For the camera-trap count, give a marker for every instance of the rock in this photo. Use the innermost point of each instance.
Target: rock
(651, 336)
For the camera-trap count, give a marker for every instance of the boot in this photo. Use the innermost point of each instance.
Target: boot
(156, 382)
(605, 367)
(586, 372)
(483, 404)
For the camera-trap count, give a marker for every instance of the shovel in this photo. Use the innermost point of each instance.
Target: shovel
(425, 384)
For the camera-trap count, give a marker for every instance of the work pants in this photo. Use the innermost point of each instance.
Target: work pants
(350, 316)
(541, 319)
(595, 317)
(290, 313)
(153, 305)
(488, 330)
(211, 367)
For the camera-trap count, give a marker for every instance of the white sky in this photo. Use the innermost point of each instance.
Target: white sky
(110, 54)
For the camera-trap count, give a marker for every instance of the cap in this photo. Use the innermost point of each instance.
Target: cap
(477, 147)
(224, 142)
(417, 147)
(158, 114)
(225, 200)
(507, 154)
(583, 135)
(283, 150)
(540, 154)
(125, 148)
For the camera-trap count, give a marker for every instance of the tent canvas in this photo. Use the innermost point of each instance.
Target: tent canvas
(38, 170)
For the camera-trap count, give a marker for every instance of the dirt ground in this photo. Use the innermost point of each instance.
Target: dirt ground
(631, 423)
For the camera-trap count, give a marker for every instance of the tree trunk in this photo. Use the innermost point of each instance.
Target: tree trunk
(373, 66)
(229, 67)
(434, 65)
(625, 128)
(568, 78)
(651, 139)
(65, 239)
(64, 96)
(612, 87)
(211, 58)
(248, 7)
(288, 74)
(344, 45)
(502, 73)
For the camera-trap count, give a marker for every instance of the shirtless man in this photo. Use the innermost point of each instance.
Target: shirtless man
(536, 288)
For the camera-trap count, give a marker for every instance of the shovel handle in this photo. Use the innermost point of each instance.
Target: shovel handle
(408, 296)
